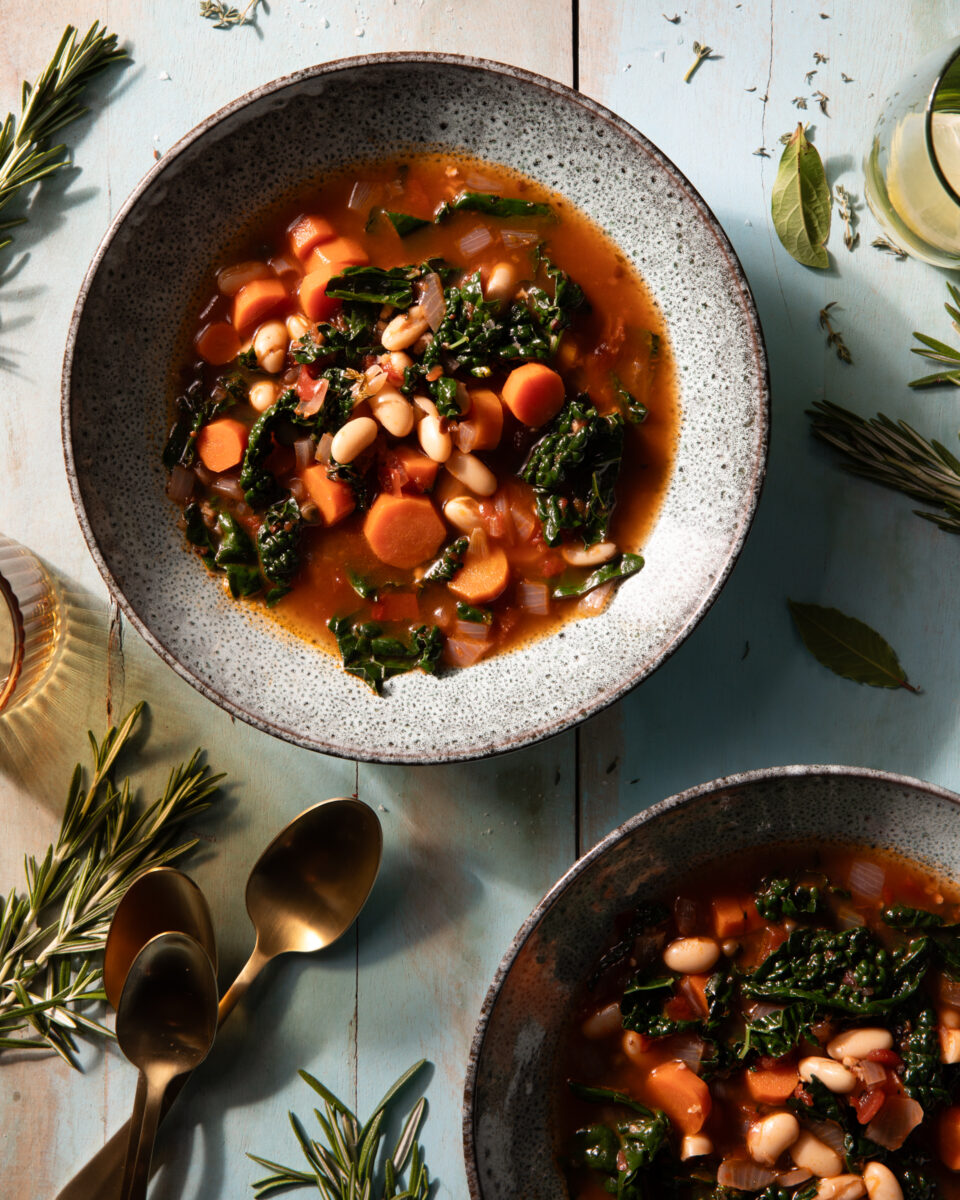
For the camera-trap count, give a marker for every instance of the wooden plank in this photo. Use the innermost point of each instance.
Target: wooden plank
(742, 692)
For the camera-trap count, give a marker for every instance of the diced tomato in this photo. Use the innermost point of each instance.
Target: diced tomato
(308, 386)
(679, 1008)
(887, 1058)
(396, 606)
(868, 1104)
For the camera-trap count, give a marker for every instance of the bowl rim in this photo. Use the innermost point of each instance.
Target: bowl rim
(568, 719)
(678, 800)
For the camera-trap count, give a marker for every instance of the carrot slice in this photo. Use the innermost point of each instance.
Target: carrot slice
(342, 250)
(773, 1084)
(256, 300)
(313, 292)
(221, 443)
(406, 467)
(309, 231)
(534, 393)
(729, 916)
(218, 343)
(403, 531)
(482, 577)
(333, 497)
(682, 1095)
(483, 426)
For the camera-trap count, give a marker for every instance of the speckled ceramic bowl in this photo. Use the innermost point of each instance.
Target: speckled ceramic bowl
(152, 267)
(513, 1079)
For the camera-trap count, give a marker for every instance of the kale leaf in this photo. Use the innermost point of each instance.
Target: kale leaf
(278, 543)
(917, 1175)
(920, 1050)
(778, 898)
(847, 971)
(554, 313)
(403, 223)
(777, 1033)
(375, 659)
(197, 531)
(490, 205)
(363, 587)
(247, 359)
(901, 916)
(647, 915)
(634, 410)
(470, 332)
(237, 556)
(448, 564)
(444, 393)
(259, 486)
(573, 469)
(625, 1149)
(641, 1007)
(345, 340)
(194, 410)
(817, 1101)
(621, 567)
(376, 285)
(469, 612)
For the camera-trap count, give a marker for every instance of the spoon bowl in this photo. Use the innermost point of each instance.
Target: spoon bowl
(161, 900)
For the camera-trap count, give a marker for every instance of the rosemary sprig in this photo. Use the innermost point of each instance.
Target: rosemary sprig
(346, 1167)
(834, 336)
(224, 16)
(53, 934)
(702, 53)
(940, 352)
(45, 108)
(895, 455)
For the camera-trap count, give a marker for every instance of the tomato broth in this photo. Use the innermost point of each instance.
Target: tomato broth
(409, 491)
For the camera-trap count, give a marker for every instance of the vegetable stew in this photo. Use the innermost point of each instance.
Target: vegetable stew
(796, 1035)
(429, 416)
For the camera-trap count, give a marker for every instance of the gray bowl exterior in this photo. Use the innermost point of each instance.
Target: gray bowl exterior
(514, 1077)
(151, 272)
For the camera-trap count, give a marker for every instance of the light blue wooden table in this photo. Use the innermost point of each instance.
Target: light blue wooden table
(471, 848)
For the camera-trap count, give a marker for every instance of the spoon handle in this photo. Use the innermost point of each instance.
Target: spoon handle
(135, 1126)
(232, 996)
(136, 1187)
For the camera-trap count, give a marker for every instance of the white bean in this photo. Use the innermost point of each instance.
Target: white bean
(353, 438)
(769, 1137)
(695, 1145)
(815, 1156)
(589, 556)
(270, 346)
(881, 1183)
(472, 473)
(691, 955)
(841, 1187)
(297, 326)
(730, 947)
(434, 439)
(832, 1075)
(635, 1047)
(463, 513)
(396, 416)
(602, 1023)
(404, 329)
(858, 1043)
(501, 283)
(949, 1045)
(426, 407)
(263, 394)
(231, 279)
(398, 362)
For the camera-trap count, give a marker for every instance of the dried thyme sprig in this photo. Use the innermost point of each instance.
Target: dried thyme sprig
(846, 209)
(834, 336)
(45, 108)
(702, 53)
(896, 456)
(888, 247)
(346, 1167)
(226, 17)
(52, 935)
(940, 352)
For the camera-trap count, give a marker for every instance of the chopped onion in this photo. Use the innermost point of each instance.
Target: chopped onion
(689, 1050)
(829, 1132)
(791, 1178)
(502, 506)
(181, 484)
(360, 195)
(476, 240)
(479, 542)
(849, 918)
(523, 521)
(949, 991)
(283, 264)
(465, 652)
(376, 378)
(603, 1023)
(477, 181)
(297, 490)
(534, 597)
(314, 402)
(228, 485)
(466, 435)
(744, 1175)
(206, 477)
(870, 1072)
(475, 630)
(431, 300)
(324, 453)
(761, 1009)
(894, 1122)
(866, 878)
(306, 452)
(519, 237)
(593, 603)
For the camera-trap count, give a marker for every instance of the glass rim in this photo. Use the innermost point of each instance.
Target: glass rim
(928, 125)
(8, 598)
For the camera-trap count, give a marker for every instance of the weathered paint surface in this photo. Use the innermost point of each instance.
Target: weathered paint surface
(471, 848)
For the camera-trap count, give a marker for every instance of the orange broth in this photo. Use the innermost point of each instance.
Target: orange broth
(609, 338)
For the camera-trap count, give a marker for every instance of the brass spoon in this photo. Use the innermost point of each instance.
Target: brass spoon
(304, 892)
(161, 900)
(166, 1023)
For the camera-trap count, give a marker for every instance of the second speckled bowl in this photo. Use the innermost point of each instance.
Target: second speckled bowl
(511, 1101)
(150, 270)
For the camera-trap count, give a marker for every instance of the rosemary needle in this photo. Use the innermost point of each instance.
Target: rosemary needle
(45, 108)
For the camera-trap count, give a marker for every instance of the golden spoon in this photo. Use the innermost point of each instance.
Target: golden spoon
(304, 892)
(166, 1023)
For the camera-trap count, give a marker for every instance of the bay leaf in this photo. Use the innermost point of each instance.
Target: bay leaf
(800, 204)
(848, 647)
